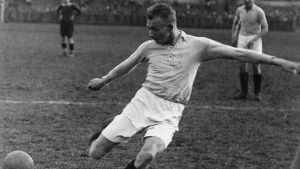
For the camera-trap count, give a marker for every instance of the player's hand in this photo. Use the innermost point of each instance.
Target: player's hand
(292, 67)
(96, 84)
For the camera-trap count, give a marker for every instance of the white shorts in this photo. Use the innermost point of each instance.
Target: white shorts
(146, 111)
(244, 39)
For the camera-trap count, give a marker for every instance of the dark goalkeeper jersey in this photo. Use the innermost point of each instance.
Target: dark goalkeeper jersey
(68, 11)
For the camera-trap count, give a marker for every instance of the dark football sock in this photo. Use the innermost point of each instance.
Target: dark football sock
(71, 46)
(131, 165)
(64, 45)
(244, 82)
(257, 83)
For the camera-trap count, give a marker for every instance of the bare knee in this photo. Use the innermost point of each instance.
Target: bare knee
(151, 147)
(96, 152)
(100, 147)
(144, 158)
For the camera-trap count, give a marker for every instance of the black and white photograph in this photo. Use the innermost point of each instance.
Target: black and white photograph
(149, 84)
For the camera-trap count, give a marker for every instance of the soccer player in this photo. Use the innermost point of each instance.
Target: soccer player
(173, 58)
(67, 12)
(249, 25)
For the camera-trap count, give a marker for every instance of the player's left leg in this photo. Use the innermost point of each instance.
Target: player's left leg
(257, 77)
(64, 46)
(100, 147)
(71, 46)
(63, 37)
(70, 32)
(243, 73)
(152, 146)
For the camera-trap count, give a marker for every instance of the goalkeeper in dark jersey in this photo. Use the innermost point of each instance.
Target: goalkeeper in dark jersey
(67, 13)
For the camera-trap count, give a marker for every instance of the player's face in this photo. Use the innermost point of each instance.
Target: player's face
(248, 3)
(160, 31)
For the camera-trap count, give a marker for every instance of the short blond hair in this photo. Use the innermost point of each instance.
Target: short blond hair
(163, 10)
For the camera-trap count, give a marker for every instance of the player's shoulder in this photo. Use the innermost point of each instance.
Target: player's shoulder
(240, 8)
(256, 7)
(146, 45)
(208, 42)
(201, 39)
(259, 9)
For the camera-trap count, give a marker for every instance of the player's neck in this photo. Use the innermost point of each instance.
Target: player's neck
(177, 35)
(248, 8)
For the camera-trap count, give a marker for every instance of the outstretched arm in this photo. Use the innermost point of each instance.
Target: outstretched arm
(119, 71)
(220, 51)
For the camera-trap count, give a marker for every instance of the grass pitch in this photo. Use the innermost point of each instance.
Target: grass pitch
(46, 109)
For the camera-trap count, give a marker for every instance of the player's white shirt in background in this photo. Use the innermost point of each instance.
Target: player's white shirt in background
(252, 20)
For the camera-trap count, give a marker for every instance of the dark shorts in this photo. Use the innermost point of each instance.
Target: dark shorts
(66, 28)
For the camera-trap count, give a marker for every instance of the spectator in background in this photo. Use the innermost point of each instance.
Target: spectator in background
(226, 7)
(207, 6)
(249, 25)
(67, 12)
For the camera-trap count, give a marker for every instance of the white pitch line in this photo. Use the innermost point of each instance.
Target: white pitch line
(209, 107)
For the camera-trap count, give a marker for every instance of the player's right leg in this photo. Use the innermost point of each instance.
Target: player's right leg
(64, 38)
(64, 46)
(69, 34)
(243, 76)
(100, 147)
(257, 74)
(71, 46)
(257, 78)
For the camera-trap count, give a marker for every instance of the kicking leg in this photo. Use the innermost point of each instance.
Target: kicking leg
(100, 147)
(152, 146)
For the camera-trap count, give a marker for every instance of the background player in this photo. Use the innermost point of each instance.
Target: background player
(249, 25)
(67, 12)
(173, 58)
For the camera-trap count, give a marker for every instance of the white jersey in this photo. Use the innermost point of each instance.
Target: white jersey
(251, 21)
(172, 69)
